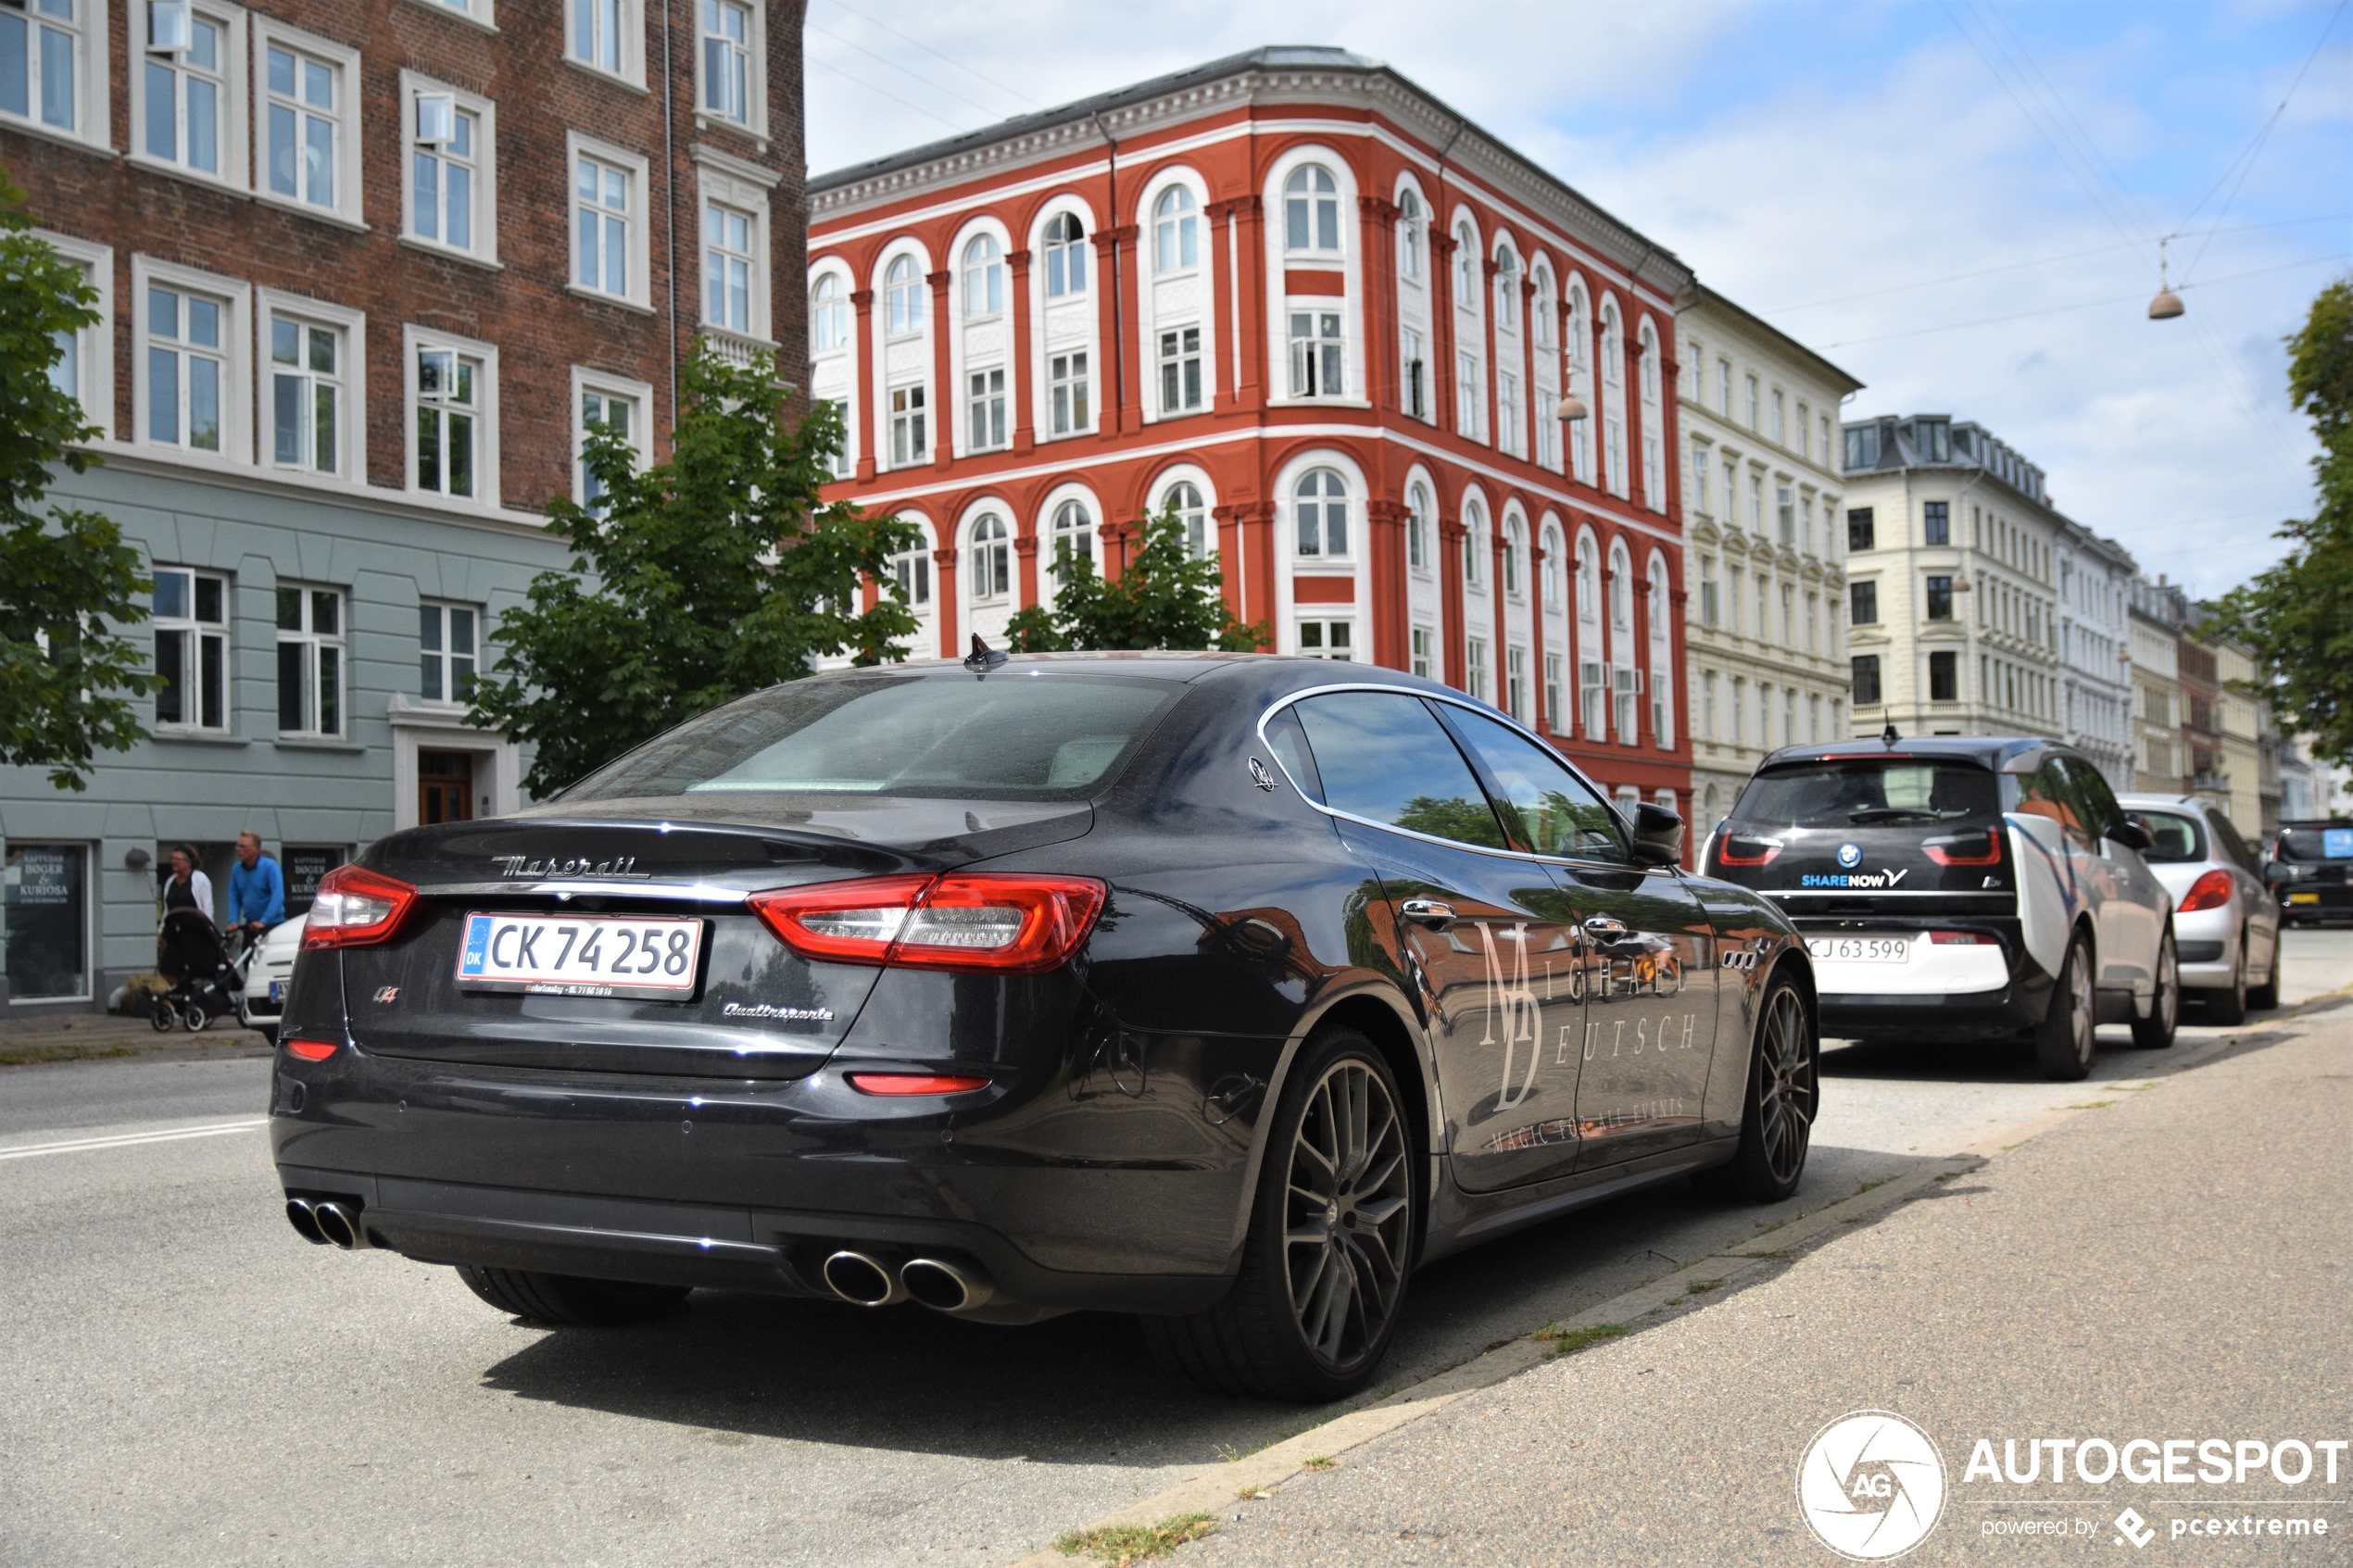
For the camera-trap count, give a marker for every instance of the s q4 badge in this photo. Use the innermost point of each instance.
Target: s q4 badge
(1260, 776)
(387, 993)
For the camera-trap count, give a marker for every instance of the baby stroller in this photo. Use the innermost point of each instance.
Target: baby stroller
(205, 971)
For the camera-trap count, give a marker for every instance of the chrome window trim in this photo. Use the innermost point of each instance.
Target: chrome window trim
(1468, 705)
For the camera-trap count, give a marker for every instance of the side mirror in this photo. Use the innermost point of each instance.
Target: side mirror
(1658, 835)
(2275, 872)
(2133, 836)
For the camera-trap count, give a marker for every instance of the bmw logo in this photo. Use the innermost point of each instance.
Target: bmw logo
(1850, 855)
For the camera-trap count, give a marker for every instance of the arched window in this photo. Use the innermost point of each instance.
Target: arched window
(1649, 341)
(1578, 329)
(1621, 591)
(1662, 681)
(1612, 350)
(1474, 543)
(1542, 327)
(1311, 209)
(1654, 476)
(1409, 234)
(1065, 255)
(1417, 528)
(1073, 531)
(991, 559)
(1506, 289)
(1588, 580)
(1185, 498)
(828, 314)
(1511, 556)
(903, 289)
(1175, 231)
(1321, 501)
(1465, 262)
(911, 574)
(1550, 576)
(984, 277)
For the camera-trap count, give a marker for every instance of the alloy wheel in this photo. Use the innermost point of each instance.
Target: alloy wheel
(2169, 985)
(1785, 1090)
(1348, 1213)
(2082, 1016)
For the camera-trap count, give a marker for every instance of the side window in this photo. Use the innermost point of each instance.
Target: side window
(1290, 749)
(2102, 815)
(1385, 758)
(2223, 829)
(2047, 792)
(1553, 810)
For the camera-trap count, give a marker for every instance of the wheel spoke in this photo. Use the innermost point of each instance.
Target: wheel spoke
(1349, 1157)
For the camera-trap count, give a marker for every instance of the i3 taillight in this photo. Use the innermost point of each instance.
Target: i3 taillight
(2209, 892)
(988, 923)
(1738, 851)
(357, 907)
(1966, 849)
(1962, 939)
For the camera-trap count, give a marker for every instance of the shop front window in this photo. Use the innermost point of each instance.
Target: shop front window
(46, 914)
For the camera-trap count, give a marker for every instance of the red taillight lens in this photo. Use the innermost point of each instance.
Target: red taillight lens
(2209, 892)
(356, 907)
(1965, 849)
(1961, 939)
(311, 1050)
(998, 923)
(914, 1084)
(1747, 852)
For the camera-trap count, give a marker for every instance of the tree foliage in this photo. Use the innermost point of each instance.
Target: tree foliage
(1164, 597)
(2299, 615)
(67, 677)
(716, 573)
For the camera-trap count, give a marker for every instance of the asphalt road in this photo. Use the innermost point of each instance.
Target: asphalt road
(184, 1381)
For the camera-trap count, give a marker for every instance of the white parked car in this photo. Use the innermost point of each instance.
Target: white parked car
(2226, 925)
(263, 1001)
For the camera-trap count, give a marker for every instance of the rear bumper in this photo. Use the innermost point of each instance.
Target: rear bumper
(2307, 900)
(2013, 994)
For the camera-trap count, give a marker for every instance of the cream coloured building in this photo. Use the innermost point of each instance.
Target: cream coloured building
(1764, 626)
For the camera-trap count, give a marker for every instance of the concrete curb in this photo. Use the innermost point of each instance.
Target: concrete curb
(1217, 1487)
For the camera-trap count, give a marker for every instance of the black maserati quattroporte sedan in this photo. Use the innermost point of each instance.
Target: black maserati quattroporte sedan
(1222, 990)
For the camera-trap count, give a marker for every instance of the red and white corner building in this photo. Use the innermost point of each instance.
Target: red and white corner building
(1332, 322)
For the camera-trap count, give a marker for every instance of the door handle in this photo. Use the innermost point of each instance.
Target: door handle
(1428, 912)
(1602, 928)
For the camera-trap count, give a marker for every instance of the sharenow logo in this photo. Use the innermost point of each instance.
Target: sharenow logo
(1870, 1486)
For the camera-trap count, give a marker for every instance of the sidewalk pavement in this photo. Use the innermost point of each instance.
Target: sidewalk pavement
(2174, 1264)
(82, 1036)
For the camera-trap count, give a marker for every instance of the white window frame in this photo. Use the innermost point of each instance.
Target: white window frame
(313, 640)
(1311, 355)
(236, 339)
(630, 35)
(444, 654)
(1422, 650)
(1334, 636)
(196, 631)
(987, 427)
(1475, 671)
(1003, 568)
(351, 429)
(1061, 425)
(917, 418)
(93, 344)
(474, 13)
(755, 121)
(346, 209)
(1507, 420)
(639, 295)
(584, 382)
(1350, 522)
(731, 181)
(1164, 362)
(90, 95)
(234, 148)
(484, 162)
(1516, 682)
(415, 339)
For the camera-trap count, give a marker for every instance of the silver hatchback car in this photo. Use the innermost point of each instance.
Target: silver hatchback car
(2226, 925)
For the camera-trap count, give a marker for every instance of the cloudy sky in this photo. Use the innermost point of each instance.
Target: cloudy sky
(1959, 203)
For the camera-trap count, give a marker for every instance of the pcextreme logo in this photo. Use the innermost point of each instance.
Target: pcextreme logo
(1870, 1486)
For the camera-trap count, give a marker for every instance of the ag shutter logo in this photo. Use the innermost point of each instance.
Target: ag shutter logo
(1870, 1486)
(1850, 855)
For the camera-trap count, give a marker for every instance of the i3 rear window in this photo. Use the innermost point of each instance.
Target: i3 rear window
(1871, 792)
(1017, 735)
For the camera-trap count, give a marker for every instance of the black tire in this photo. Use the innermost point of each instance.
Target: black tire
(163, 1016)
(1778, 1106)
(1332, 1240)
(569, 1302)
(198, 1019)
(2155, 1032)
(2266, 996)
(2066, 1041)
(2226, 1005)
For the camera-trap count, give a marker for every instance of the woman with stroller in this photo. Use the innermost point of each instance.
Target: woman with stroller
(187, 887)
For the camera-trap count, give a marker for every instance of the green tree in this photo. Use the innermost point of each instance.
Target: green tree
(716, 573)
(65, 677)
(2298, 616)
(1164, 597)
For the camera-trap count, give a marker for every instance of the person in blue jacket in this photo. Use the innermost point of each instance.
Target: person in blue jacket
(257, 888)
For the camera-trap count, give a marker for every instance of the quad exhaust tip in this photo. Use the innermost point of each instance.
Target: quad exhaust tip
(340, 1224)
(943, 1287)
(862, 1280)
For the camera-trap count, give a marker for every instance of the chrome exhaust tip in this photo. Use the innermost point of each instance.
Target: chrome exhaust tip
(301, 1214)
(945, 1287)
(862, 1281)
(340, 1227)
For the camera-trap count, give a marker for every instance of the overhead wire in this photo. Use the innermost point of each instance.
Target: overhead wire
(885, 91)
(950, 59)
(2246, 161)
(2087, 303)
(935, 86)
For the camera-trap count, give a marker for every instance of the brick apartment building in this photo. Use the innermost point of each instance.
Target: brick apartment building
(367, 269)
(1333, 322)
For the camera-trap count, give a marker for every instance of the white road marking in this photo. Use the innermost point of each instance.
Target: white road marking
(125, 1140)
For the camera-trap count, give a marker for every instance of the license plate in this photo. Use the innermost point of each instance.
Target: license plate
(2303, 897)
(581, 955)
(277, 990)
(1862, 949)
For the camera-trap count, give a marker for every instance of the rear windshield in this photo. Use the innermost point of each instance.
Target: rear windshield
(2176, 838)
(1865, 792)
(2316, 844)
(1019, 736)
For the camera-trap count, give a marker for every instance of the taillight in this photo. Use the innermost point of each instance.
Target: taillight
(1965, 849)
(1748, 851)
(311, 1050)
(354, 908)
(996, 923)
(1962, 939)
(914, 1083)
(2209, 892)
